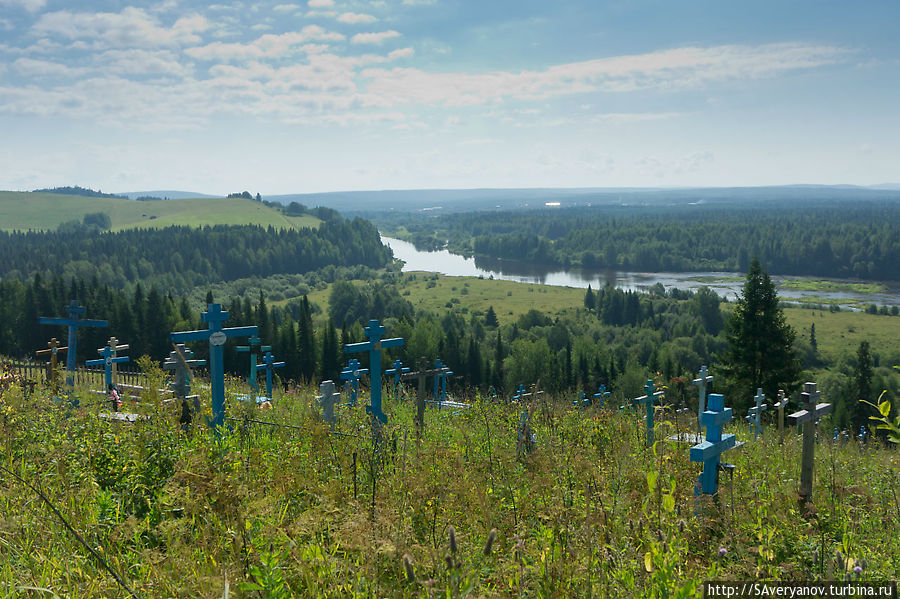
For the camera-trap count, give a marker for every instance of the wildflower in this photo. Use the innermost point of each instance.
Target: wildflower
(722, 552)
(857, 569)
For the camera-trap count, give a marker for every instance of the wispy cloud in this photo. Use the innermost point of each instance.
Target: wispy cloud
(29, 5)
(320, 3)
(129, 28)
(354, 18)
(374, 38)
(267, 46)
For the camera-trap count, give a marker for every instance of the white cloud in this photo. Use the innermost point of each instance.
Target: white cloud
(6, 25)
(354, 17)
(267, 46)
(286, 7)
(418, 2)
(320, 3)
(29, 5)
(133, 27)
(30, 67)
(137, 62)
(620, 118)
(374, 38)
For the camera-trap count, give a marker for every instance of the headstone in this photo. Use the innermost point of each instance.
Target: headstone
(268, 365)
(440, 382)
(252, 343)
(601, 395)
(216, 335)
(710, 451)
(75, 320)
(780, 405)
(350, 375)
(649, 399)
(181, 361)
(756, 411)
(811, 412)
(52, 350)
(704, 379)
(107, 360)
(398, 370)
(327, 399)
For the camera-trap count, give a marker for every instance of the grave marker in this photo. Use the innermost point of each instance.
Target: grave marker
(108, 360)
(812, 411)
(704, 379)
(756, 411)
(440, 382)
(420, 375)
(710, 451)
(252, 342)
(217, 336)
(649, 400)
(52, 351)
(525, 441)
(350, 374)
(75, 320)
(374, 332)
(601, 395)
(327, 399)
(268, 365)
(780, 405)
(582, 401)
(398, 370)
(181, 360)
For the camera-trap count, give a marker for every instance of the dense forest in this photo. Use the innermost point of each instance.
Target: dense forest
(179, 259)
(858, 240)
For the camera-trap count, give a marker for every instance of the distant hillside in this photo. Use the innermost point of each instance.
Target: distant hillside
(170, 194)
(46, 211)
(78, 191)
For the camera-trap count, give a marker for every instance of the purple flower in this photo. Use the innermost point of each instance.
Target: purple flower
(722, 552)
(857, 570)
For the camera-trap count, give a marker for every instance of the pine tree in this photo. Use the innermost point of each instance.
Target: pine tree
(306, 346)
(498, 364)
(862, 387)
(490, 319)
(812, 338)
(761, 344)
(589, 300)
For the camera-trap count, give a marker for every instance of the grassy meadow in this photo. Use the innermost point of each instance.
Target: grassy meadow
(35, 211)
(267, 511)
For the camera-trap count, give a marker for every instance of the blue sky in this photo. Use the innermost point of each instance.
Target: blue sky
(325, 95)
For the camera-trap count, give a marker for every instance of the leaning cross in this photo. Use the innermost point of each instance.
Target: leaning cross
(601, 395)
(649, 400)
(440, 382)
(756, 411)
(328, 398)
(108, 360)
(398, 370)
(75, 311)
(710, 451)
(812, 411)
(180, 360)
(216, 335)
(421, 374)
(351, 374)
(54, 349)
(704, 380)
(780, 405)
(268, 365)
(252, 342)
(374, 332)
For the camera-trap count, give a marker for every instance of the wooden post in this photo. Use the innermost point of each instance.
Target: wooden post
(807, 417)
(780, 406)
(53, 350)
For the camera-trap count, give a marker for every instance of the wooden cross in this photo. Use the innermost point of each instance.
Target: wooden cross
(180, 360)
(374, 332)
(108, 359)
(756, 411)
(75, 320)
(268, 365)
(582, 401)
(440, 382)
(327, 399)
(53, 349)
(520, 393)
(601, 395)
(649, 400)
(217, 336)
(350, 374)
(525, 441)
(704, 379)
(252, 342)
(812, 411)
(116, 347)
(780, 405)
(710, 451)
(420, 375)
(398, 370)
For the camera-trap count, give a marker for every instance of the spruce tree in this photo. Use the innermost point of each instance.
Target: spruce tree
(306, 342)
(490, 318)
(862, 387)
(761, 344)
(589, 301)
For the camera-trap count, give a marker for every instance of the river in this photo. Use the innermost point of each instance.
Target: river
(726, 284)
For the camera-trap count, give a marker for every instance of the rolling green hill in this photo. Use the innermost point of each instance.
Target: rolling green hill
(35, 211)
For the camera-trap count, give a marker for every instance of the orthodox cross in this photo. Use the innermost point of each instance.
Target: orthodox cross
(780, 405)
(268, 365)
(108, 359)
(75, 320)
(710, 451)
(216, 335)
(180, 360)
(398, 370)
(525, 441)
(252, 342)
(351, 374)
(704, 379)
(756, 411)
(601, 395)
(520, 393)
(440, 382)
(582, 401)
(328, 398)
(374, 345)
(649, 400)
(420, 375)
(812, 411)
(54, 349)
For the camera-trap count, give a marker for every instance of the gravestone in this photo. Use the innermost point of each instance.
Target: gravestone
(216, 335)
(350, 375)
(420, 375)
(756, 411)
(374, 345)
(108, 359)
(181, 361)
(398, 370)
(811, 412)
(519, 394)
(269, 364)
(75, 320)
(780, 405)
(704, 379)
(863, 435)
(252, 343)
(649, 399)
(440, 382)
(52, 350)
(710, 451)
(601, 395)
(327, 399)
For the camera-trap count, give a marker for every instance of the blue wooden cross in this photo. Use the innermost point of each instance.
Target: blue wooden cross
(440, 382)
(398, 370)
(756, 411)
(710, 451)
(601, 395)
(582, 401)
(75, 311)
(704, 379)
(374, 332)
(268, 365)
(107, 360)
(649, 399)
(216, 335)
(252, 342)
(351, 374)
(520, 393)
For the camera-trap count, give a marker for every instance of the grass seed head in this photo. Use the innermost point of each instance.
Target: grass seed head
(489, 544)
